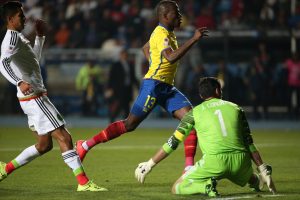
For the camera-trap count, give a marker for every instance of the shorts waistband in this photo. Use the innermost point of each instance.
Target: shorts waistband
(34, 96)
(160, 81)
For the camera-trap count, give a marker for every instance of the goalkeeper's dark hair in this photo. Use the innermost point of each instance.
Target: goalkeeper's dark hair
(9, 9)
(164, 7)
(207, 87)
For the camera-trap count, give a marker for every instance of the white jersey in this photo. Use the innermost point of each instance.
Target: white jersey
(20, 62)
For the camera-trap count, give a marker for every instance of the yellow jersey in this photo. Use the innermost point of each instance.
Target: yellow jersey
(159, 67)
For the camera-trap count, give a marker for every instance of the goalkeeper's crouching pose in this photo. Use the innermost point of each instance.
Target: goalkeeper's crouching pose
(226, 144)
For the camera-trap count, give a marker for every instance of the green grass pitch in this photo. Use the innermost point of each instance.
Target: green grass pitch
(112, 165)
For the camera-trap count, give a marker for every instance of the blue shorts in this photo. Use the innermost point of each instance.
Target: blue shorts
(153, 92)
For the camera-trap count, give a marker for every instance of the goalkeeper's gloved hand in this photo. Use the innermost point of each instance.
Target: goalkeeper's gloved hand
(265, 172)
(143, 169)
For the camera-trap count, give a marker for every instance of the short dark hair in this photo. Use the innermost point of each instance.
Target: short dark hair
(164, 7)
(207, 87)
(9, 9)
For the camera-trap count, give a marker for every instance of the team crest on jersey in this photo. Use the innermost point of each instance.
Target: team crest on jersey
(166, 42)
(59, 117)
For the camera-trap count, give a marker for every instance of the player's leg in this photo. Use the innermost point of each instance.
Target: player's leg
(142, 106)
(241, 171)
(111, 132)
(200, 179)
(179, 105)
(48, 122)
(188, 187)
(71, 158)
(30, 153)
(34, 109)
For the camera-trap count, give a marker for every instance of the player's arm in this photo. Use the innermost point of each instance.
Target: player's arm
(265, 170)
(248, 140)
(173, 56)
(146, 49)
(8, 72)
(40, 27)
(182, 131)
(9, 49)
(10, 75)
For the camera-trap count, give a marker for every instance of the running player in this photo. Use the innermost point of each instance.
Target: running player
(226, 144)
(157, 87)
(20, 66)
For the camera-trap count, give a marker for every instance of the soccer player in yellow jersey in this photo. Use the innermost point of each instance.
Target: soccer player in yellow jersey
(157, 88)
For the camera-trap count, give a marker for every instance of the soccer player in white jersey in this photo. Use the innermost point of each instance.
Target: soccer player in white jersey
(20, 66)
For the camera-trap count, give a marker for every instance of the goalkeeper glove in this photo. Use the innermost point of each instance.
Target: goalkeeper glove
(265, 172)
(143, 169)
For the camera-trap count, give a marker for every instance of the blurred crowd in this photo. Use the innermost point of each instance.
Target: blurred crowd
(89, 23)
(260, 83)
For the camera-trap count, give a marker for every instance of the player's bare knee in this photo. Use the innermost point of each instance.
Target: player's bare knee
(66, 139)
(44, 148)
(130, 126)
(65, 142)
(62, 136)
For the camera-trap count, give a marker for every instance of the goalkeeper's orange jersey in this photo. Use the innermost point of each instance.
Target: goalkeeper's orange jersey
(159, 67)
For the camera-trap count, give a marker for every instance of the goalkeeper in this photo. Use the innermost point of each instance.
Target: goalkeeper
(226, 144)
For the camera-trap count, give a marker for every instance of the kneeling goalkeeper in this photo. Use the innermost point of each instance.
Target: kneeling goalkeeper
(226, 144)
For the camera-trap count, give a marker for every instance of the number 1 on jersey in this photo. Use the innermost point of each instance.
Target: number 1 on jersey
(221, 120)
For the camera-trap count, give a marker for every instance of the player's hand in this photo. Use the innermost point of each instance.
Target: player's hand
(200, 32)
(25, 88)
(143, 169)
(40, 27)
(265, 172)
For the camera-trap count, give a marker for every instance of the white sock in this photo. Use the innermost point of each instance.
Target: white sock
(71, 158)
(27, 155)
(85, 146)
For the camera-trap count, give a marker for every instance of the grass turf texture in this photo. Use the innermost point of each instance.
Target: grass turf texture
(112, 165)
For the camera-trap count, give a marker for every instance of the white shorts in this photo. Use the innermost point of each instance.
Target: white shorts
(42, 115)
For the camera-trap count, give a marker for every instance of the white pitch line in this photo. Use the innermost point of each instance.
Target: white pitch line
(249, 196)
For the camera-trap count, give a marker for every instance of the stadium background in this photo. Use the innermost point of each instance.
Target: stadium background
(80, 30)
(238, 29)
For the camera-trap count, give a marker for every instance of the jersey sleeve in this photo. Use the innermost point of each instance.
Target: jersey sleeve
(183, 130)
(9, 48)
(247, 136)
(162, 41)
(38, 46)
